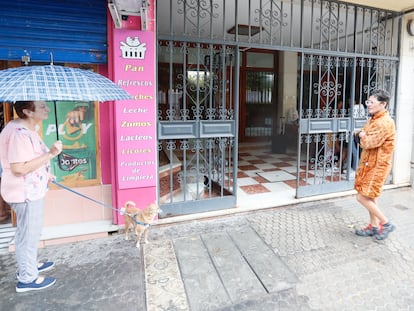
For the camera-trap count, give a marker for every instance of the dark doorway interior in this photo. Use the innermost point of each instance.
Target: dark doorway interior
(258, 96)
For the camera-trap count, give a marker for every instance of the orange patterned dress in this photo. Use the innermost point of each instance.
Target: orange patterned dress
(376, 158)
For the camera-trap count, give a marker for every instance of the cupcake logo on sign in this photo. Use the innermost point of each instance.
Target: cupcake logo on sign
(133, 48)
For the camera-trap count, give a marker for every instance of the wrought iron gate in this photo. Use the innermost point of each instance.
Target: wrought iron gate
(357, 52)
(196, 128)
(344, 51)
(333, 93)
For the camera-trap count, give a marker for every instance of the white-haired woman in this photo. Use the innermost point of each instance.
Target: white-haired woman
(26, 172)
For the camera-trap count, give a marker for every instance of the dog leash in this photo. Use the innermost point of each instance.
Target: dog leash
(120, 210)
(85, 196)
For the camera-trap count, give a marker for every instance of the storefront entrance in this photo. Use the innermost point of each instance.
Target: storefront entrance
(286, 73)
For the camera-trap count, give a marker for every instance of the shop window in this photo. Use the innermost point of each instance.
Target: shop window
(77, 165)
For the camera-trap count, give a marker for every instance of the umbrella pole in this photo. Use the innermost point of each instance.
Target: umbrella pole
(56, 121)
(57, 133)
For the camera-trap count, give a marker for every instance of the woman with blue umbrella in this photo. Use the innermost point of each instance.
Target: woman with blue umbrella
(25, 160)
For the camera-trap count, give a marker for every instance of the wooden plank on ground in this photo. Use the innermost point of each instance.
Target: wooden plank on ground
(274, 274)
(238, 278)
(203, 286)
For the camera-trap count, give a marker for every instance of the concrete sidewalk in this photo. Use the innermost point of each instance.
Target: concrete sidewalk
(299, 257)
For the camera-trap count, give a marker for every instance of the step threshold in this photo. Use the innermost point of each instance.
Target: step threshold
(71, 233)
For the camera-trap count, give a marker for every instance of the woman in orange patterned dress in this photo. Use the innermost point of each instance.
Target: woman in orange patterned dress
(377, 140)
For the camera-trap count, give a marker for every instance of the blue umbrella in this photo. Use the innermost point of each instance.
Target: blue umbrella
(51, 82)
(57, 83)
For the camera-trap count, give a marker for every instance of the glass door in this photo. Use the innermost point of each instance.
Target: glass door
(257, 97)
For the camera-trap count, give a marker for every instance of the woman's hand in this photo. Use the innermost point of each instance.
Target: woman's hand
(52, 177)
(56, 148)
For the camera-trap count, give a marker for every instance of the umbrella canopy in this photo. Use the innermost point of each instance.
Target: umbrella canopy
(51, 82)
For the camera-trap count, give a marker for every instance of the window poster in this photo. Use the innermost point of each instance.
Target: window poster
(77, 164)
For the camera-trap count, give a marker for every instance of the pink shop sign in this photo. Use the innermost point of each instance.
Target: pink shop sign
(135, 119)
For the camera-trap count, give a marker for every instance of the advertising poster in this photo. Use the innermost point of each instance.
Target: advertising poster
(135, 119)
(77, 164)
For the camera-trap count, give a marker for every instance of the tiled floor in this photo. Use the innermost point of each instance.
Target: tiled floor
(265, 178)
(270, 179)
(261, 171)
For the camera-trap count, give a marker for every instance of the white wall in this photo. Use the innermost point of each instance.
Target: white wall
(403, 167)
(288, 79)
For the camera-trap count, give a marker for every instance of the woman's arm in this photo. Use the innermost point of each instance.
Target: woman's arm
(375, 135)
(23, 168)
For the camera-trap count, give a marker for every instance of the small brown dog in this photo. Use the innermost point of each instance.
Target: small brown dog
(139, 219)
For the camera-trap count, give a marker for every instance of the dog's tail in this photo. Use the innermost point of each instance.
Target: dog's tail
(127, 204)
(130, 204)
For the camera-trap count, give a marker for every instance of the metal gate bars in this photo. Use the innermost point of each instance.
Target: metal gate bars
(333, 92)
(343, 51)
(196, 127)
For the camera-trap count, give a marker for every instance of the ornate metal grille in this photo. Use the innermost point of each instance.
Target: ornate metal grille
(299, 24)
(196, 123)
(333, 93)
(344, 51)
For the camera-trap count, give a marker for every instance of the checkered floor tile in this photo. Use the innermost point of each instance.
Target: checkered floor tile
(262, 169)
(262, 172)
